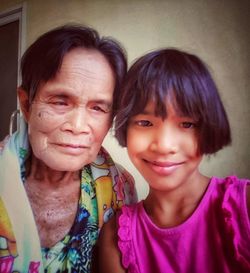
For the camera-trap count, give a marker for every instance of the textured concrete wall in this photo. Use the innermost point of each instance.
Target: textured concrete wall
(217, 31)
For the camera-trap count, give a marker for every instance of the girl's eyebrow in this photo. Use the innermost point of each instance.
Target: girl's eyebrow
(147, 112)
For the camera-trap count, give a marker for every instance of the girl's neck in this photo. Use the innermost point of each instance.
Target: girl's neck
(169, 209)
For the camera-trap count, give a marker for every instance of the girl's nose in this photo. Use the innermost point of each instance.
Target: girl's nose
(165, 140)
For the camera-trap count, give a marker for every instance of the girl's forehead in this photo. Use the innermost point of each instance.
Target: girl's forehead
(150, 106)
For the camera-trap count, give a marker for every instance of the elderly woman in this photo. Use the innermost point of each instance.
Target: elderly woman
(58, 185)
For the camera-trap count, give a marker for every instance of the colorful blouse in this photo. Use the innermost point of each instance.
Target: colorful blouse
(105, 186)
(100, 196)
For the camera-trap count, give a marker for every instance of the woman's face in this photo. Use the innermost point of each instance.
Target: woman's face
(71, 114)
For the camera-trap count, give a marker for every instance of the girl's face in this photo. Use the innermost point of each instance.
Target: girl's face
(164, 151)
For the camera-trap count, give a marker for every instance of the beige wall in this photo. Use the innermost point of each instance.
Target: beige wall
(218, 31)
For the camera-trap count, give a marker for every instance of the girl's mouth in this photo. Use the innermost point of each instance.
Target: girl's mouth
(164, 167)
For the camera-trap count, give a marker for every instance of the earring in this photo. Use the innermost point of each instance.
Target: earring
(16, 114)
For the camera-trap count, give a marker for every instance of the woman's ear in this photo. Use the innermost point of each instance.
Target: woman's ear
(24, 102)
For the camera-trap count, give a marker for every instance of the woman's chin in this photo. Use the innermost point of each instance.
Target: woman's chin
(65, 166)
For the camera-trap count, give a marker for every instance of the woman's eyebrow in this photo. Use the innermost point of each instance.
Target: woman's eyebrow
(58, 92)
(106, 103)
(64, 93)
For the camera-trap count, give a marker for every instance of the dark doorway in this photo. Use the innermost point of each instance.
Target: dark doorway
(9, 42)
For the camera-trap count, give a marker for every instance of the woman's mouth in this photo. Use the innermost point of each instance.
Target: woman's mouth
(70, 148)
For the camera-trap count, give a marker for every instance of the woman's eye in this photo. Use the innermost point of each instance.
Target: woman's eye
(98, 108)
(144, 123)
(187, 125)
(59, 103)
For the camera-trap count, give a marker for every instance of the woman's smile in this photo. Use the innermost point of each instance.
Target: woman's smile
(72, 149)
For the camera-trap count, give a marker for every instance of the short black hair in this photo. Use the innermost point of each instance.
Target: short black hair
(184, 80)
(43, 59)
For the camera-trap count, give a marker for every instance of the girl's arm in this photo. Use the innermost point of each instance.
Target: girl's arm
(109, 257)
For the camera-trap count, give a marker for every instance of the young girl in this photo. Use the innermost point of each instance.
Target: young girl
(170, 115)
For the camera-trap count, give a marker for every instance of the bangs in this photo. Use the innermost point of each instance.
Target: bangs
(162, 87)
(172, 77)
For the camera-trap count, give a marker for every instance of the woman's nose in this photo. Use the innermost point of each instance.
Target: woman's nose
(77, 121)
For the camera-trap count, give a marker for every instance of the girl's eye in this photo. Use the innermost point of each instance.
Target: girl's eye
(187, 125)
(144, 123)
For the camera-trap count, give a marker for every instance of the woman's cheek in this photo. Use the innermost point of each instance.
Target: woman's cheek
(45, 120)
(41, 123)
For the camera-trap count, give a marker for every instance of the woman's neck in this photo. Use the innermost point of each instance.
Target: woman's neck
(54, 198)
(37, 171)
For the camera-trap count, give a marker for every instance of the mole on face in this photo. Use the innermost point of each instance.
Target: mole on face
(46, 120)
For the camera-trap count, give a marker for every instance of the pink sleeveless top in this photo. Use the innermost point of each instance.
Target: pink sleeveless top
(215, 238)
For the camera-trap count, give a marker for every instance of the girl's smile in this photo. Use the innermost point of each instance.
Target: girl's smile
(163, 168)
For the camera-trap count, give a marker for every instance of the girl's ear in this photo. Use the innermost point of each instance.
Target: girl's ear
(24, 103)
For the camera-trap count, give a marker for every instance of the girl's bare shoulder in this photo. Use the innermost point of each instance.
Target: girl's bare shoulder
(109, 257)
